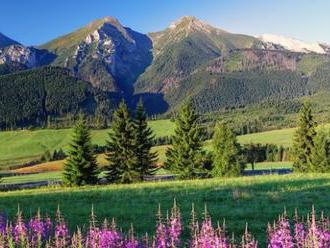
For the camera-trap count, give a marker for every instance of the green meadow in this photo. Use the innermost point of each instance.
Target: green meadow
(253, 200)
(17, 147)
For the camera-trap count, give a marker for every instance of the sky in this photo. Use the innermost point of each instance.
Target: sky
(34, 22)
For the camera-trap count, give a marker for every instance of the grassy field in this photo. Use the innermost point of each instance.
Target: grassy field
(255, 200)
(52, 171)
(17, 147)
(101, 160)
(281, 137)
(47, 176)
(278, 137)
(270, 165)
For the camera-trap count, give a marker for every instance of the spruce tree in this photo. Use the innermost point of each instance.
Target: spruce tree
(80, 167)
(143, 141)
(120, 148)
(303, 143)
(184, 157)
(227, 158)
(321, 154)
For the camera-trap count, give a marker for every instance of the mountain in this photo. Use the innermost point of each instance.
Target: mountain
(29, 57)
(105, 53)
(292, 44)
(180, 49)
(16, 56)
(6, 41)
(218, 69)
(190, 59)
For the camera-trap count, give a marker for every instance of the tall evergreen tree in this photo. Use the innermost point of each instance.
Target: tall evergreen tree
(303, 143)
(80, 167)
(143, 141)
(184, 157)
(120, 148)
(321, 153)
(227, 158)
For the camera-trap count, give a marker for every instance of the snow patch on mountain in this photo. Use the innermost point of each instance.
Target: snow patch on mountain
(292, 44)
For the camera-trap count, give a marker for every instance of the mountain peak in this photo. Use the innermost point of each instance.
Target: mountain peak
(190, 24)
(108, 19)
(89, 33)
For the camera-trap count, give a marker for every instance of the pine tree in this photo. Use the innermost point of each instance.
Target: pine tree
(321, 154)
(184, 157)
(120, 148)
(303, 143)
(80, 167)
(143, 141)
(227, 158)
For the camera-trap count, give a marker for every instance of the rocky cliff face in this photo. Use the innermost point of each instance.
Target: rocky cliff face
(27, 56)
(107, 54)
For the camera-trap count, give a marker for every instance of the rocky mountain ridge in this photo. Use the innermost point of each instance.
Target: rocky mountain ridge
(187, 59)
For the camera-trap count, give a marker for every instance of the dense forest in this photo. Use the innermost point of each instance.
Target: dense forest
(32, 97)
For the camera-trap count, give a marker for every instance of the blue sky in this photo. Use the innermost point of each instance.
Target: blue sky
(33, 22)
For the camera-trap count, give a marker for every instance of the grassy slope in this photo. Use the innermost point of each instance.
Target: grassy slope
(19, 146)
(49, 176)
(279, 137)
(23, 146)
(256, 200)
(52, 170)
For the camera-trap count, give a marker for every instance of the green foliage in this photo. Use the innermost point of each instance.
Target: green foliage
(122, 166)
(303, 143)
(80, 168)
(227, 158)
(184, 157)
(28, 97)
(254, 153)
(213, 92)
(310, 62)
(23, 146)
(143, 141)
(8, 68)
(321, 153)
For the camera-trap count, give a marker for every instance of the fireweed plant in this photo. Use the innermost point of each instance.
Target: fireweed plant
(39, 232)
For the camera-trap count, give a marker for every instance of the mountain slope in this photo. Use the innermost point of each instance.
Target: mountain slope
(182, 48)
(218, 69)
(29, 97)
(189, 59)
(104, 53)
(6, 41)
(29, 57)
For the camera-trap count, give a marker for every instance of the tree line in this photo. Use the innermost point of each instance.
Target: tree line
(130, 158)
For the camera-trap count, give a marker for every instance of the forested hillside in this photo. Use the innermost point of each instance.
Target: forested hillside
(30, 97)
